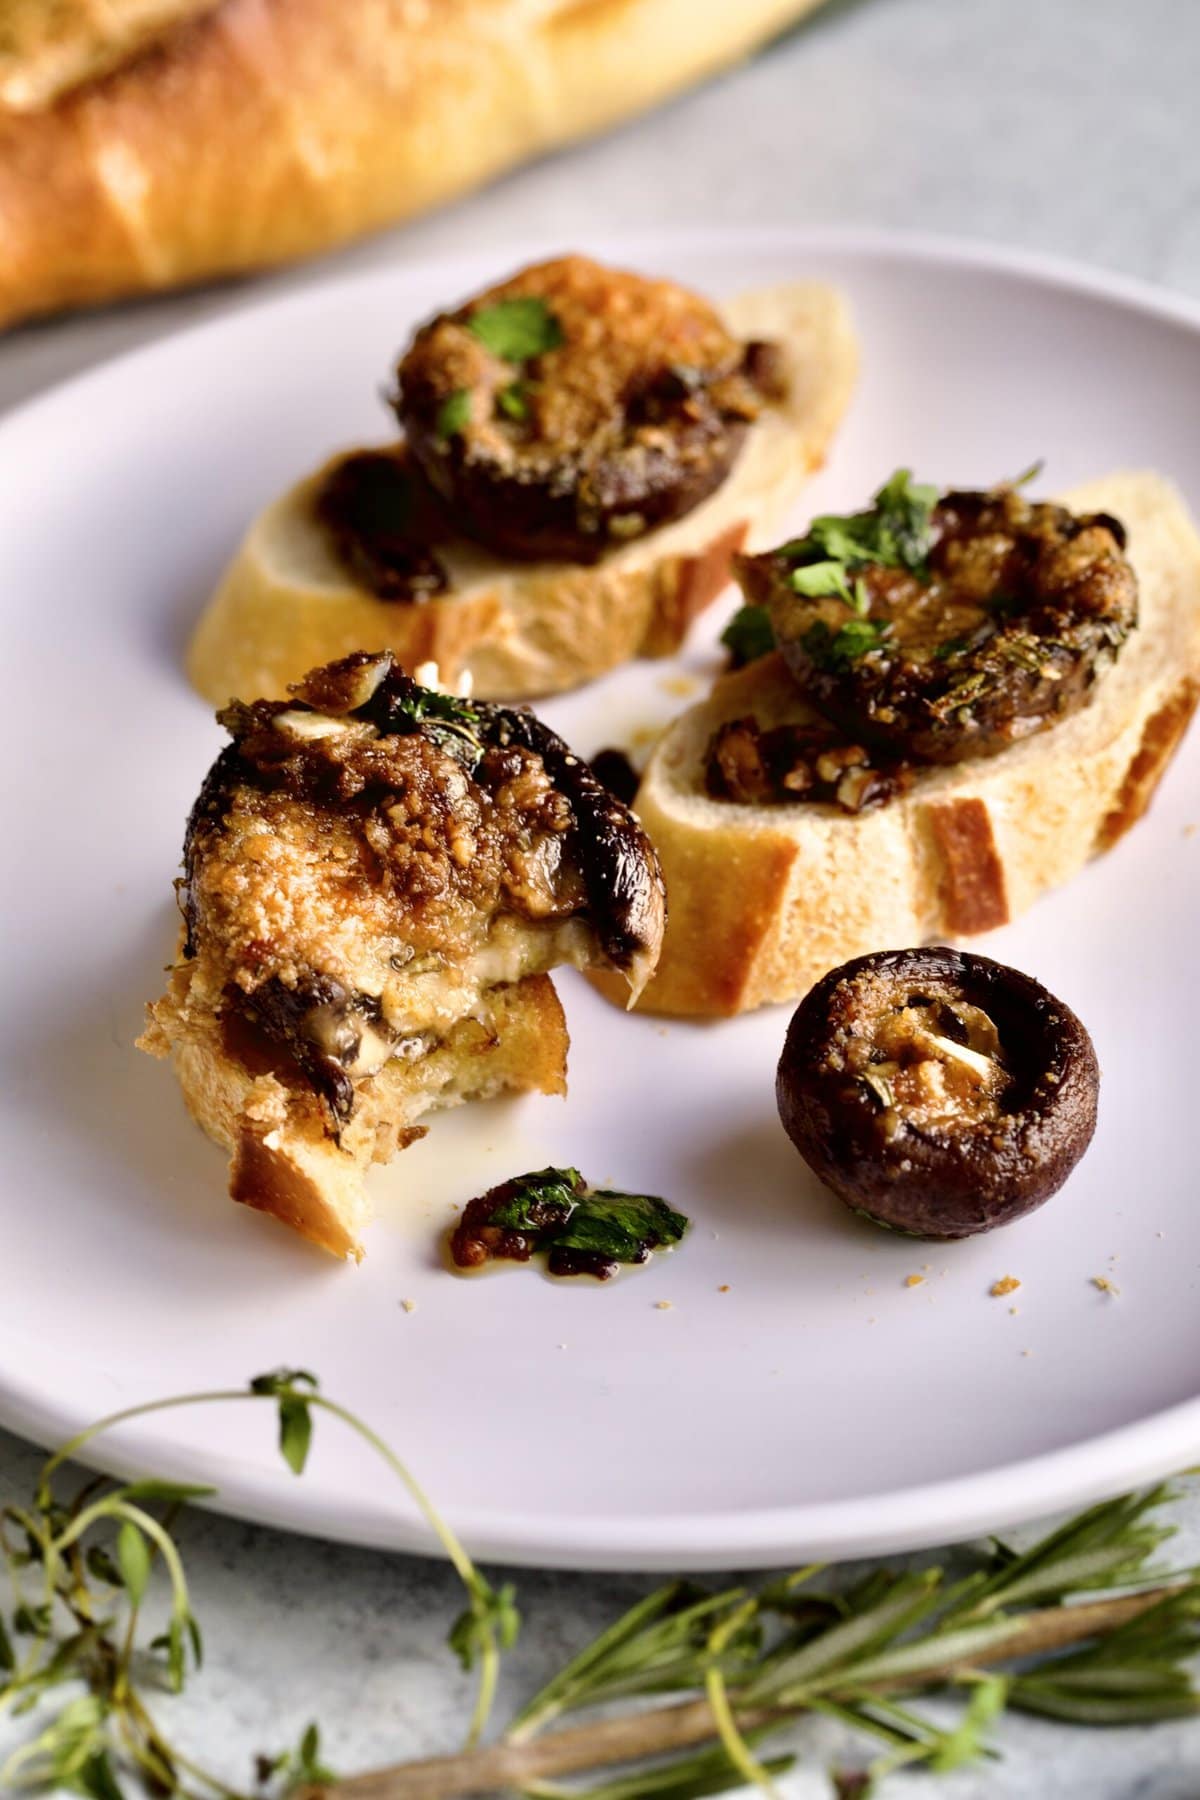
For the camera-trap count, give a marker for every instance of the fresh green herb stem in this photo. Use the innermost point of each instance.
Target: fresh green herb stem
(681, 1727)
(489, 1616)
(736, 1665)
(464, 1568)
(717, 1691)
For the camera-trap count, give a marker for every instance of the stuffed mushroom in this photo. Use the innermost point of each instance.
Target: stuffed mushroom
(939, 1093)
(574, 407)
(944, 627)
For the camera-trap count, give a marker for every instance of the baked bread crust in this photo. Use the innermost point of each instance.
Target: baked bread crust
(764, 900)
(260, 131)
(523, 630)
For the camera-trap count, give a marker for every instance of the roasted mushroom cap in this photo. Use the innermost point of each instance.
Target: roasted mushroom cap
(367, 861)
(384, 525)
(939, 1093)
(951, 628)
(573, 408)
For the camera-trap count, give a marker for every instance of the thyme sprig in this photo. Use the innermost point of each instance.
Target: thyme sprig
(79, 1572)
(737, 1665)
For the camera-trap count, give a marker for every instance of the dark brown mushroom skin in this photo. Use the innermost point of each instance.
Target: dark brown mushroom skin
(383, 525)
(1018, 609)
(630, 419)
(956, 1178)
(314, 1023)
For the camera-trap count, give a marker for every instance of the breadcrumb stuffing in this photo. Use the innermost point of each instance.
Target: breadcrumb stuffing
(663, 1305)
(913, 1280)
(1105, 1285)
(1007, 1284)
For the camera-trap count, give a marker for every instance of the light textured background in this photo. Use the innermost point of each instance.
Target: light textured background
(1066, 125)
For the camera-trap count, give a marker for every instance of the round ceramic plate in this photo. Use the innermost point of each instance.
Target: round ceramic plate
(797, 1396)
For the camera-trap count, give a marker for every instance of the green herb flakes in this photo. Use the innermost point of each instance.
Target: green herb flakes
(620, 1228)
(821, 580)
(516, 329)
(894, 532)
(748, 635)
(454, 415)
(538, 1201)
(584, 1231)
(513, 401)
(833, 650)
(453, 724)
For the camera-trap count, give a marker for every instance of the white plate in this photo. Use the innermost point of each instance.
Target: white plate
(820, 1406)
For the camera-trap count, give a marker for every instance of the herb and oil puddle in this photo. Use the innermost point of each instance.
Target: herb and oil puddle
(573, 1228)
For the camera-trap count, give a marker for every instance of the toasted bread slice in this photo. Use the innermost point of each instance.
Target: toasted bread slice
(764, 900)
(284, 1160)
(286, 603)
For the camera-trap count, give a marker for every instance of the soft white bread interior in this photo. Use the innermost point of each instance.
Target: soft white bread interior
(283, 1160)
(286, 603)
(764, 900)
(169, 141)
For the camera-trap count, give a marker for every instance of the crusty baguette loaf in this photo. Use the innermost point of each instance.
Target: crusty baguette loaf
(48, 47)
(286, 603)
(283, 1160)
(764, 900)
(264, 130)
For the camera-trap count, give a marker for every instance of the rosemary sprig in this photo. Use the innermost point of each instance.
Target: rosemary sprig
(738, 1664)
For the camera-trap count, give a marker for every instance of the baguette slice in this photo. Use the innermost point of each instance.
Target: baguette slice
(522, 630)
(764, 900)
(283, 1160)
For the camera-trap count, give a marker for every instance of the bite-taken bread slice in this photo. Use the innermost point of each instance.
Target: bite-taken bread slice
(524, 629)
(765, 899)
(283, 1158)
(377, 878)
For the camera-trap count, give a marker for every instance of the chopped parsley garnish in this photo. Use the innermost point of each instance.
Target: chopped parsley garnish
(584, 1231)
(454, 415)
(834, 650)
(516, 329)
(895, 532)
(821, 581)
(513, 401)
(748, 635)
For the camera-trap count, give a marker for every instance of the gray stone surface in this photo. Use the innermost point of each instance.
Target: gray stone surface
(1067, 125)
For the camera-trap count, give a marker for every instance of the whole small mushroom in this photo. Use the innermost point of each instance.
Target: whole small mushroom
(939, 1093)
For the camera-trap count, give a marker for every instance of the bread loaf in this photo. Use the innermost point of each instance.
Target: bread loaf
(166, 141)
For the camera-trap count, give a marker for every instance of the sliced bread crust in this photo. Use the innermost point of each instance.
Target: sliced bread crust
(764, 900)
(286, 603)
